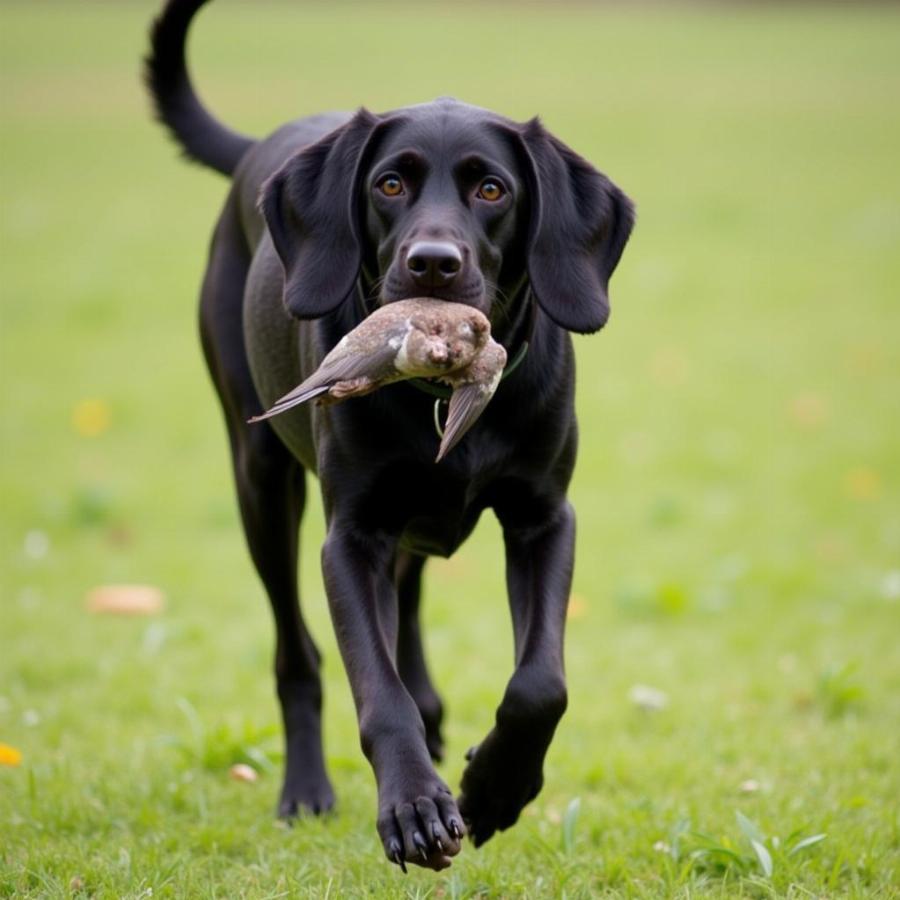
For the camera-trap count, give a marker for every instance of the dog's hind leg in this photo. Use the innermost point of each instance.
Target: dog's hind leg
(411, 664)
(271, 494)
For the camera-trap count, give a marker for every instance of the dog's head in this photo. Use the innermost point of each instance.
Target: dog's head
(450, 201)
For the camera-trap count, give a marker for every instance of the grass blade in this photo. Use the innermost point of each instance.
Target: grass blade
(764, 857)
(749, 827)
(807, 842)
(570, 820)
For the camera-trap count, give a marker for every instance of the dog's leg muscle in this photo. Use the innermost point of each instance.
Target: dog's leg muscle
(411, 663)
(418, 820)
(505, 771)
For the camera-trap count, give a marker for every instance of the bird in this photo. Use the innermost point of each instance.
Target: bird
(413, 338)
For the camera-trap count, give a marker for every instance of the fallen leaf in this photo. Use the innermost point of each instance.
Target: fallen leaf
(809, 410)
(866, 358)
(119, 535)
(91, 417)
(9, 756)
(803, 699)
(862, 483)
(242, 772)
(126, 599)
(831, 548)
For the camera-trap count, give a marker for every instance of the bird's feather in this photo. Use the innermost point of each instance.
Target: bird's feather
(377, 365)
(466, 405)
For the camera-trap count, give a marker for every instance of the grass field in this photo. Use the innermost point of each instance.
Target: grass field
(738, 487)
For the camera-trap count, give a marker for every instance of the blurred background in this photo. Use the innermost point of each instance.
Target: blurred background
(733, 631)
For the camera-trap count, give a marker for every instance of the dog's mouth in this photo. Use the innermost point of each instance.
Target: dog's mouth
(473, 294)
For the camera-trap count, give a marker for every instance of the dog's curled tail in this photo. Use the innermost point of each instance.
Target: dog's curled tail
(177, 106)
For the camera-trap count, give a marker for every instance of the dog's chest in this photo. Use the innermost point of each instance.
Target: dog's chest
(433, 513)
(440, 534)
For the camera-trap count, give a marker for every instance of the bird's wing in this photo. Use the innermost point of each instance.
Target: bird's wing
(378, 366)
(288, 401)
(467, 403)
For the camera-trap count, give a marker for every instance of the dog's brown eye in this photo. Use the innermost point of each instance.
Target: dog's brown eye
(390, 186)
(490, 190)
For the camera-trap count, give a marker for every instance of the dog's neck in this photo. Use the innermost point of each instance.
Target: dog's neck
(512, 320)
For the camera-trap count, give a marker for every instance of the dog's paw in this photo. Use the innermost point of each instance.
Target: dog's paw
(423, 827)
(497, 784)
(305, 796)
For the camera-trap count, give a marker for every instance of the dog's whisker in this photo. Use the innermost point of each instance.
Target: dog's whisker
(502, 301)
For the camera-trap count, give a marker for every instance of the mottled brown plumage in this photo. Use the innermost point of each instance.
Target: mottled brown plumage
(417, 338)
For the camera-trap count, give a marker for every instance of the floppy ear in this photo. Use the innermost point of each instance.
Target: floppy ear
(580, 222)
(311, 206)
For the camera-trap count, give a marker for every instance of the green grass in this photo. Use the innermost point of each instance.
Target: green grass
(738, 486)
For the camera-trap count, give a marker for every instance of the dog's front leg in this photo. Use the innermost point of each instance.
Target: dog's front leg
(418, 820)
(505, 771)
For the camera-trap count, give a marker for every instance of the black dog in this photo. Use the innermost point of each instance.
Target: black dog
(444, 200)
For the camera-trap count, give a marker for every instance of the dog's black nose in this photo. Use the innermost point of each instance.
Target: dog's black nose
(433, 263)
